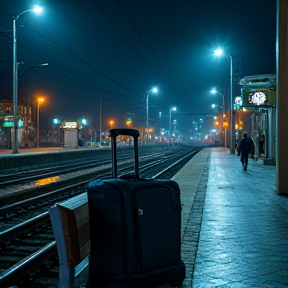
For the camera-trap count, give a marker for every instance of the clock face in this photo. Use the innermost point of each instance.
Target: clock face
(257, 98)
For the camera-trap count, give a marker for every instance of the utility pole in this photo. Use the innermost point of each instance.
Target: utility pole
(100, 115)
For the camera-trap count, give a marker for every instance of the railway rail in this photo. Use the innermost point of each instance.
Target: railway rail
(28, 249)
(11, 177)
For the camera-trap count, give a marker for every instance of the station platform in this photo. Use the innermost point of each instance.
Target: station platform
(234, 225)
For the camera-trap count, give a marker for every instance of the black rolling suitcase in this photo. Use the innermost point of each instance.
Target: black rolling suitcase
(135, 228)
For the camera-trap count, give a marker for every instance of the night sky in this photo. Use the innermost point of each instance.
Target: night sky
(124, 48)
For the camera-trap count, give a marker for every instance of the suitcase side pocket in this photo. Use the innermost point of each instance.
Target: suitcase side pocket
(157, 228)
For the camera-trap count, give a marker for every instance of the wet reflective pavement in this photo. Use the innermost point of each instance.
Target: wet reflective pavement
(244, 230)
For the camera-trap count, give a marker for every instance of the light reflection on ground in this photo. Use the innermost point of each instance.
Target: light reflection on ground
(46, 181)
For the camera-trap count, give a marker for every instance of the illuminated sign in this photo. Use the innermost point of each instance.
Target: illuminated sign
(70, 124)
(259, 97)
(9, 121)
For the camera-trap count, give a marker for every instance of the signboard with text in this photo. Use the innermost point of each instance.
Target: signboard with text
(9, 121)
(70, 125)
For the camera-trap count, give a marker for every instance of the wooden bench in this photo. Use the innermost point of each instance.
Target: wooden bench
(70, 222)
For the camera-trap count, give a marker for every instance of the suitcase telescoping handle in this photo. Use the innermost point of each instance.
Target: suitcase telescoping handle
(126, 132)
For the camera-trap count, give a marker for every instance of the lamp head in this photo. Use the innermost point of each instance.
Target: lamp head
(218, 52)
(154, 90)
(213, 91)
(37, 9)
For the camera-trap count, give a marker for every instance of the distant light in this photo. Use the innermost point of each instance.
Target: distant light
(218, 52)
(55, 121)
(38, 9)
(154, 90)
(213, 91)
(84, 121)
(213, 106)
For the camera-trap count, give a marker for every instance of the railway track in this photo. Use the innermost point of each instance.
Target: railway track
(28, 250)
(20, 175)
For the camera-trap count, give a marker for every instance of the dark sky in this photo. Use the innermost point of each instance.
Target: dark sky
(124, 48)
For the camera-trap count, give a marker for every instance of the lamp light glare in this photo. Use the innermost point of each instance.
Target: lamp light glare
(155, 90)
(38, 9)
(218, 52)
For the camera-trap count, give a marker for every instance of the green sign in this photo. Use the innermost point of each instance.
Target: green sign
(8, 122)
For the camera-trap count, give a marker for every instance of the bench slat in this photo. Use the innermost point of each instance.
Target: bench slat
(70, 222)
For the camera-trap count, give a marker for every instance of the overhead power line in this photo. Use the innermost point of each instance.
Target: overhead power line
(126, 40)
(147, 47)
(48, 38)
(103, 46)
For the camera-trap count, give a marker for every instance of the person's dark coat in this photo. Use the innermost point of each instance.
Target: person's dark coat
(246, 146)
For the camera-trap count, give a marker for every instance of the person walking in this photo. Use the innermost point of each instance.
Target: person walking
(245, 148)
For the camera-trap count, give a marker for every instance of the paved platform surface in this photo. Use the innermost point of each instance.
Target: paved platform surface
(236, 233)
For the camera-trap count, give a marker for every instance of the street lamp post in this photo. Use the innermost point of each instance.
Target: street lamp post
(29, 79)
(83, 132)
(40, 100)
(55, 134)
(29, 70)
(154, 90)
(220, 52)
(15, 80)
(213, 91)
(170, 115)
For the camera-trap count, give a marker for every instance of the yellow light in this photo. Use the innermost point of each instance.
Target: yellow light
(40, 100)
(216, 123)
(47, 181)
(111, 122)
(225, 124)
